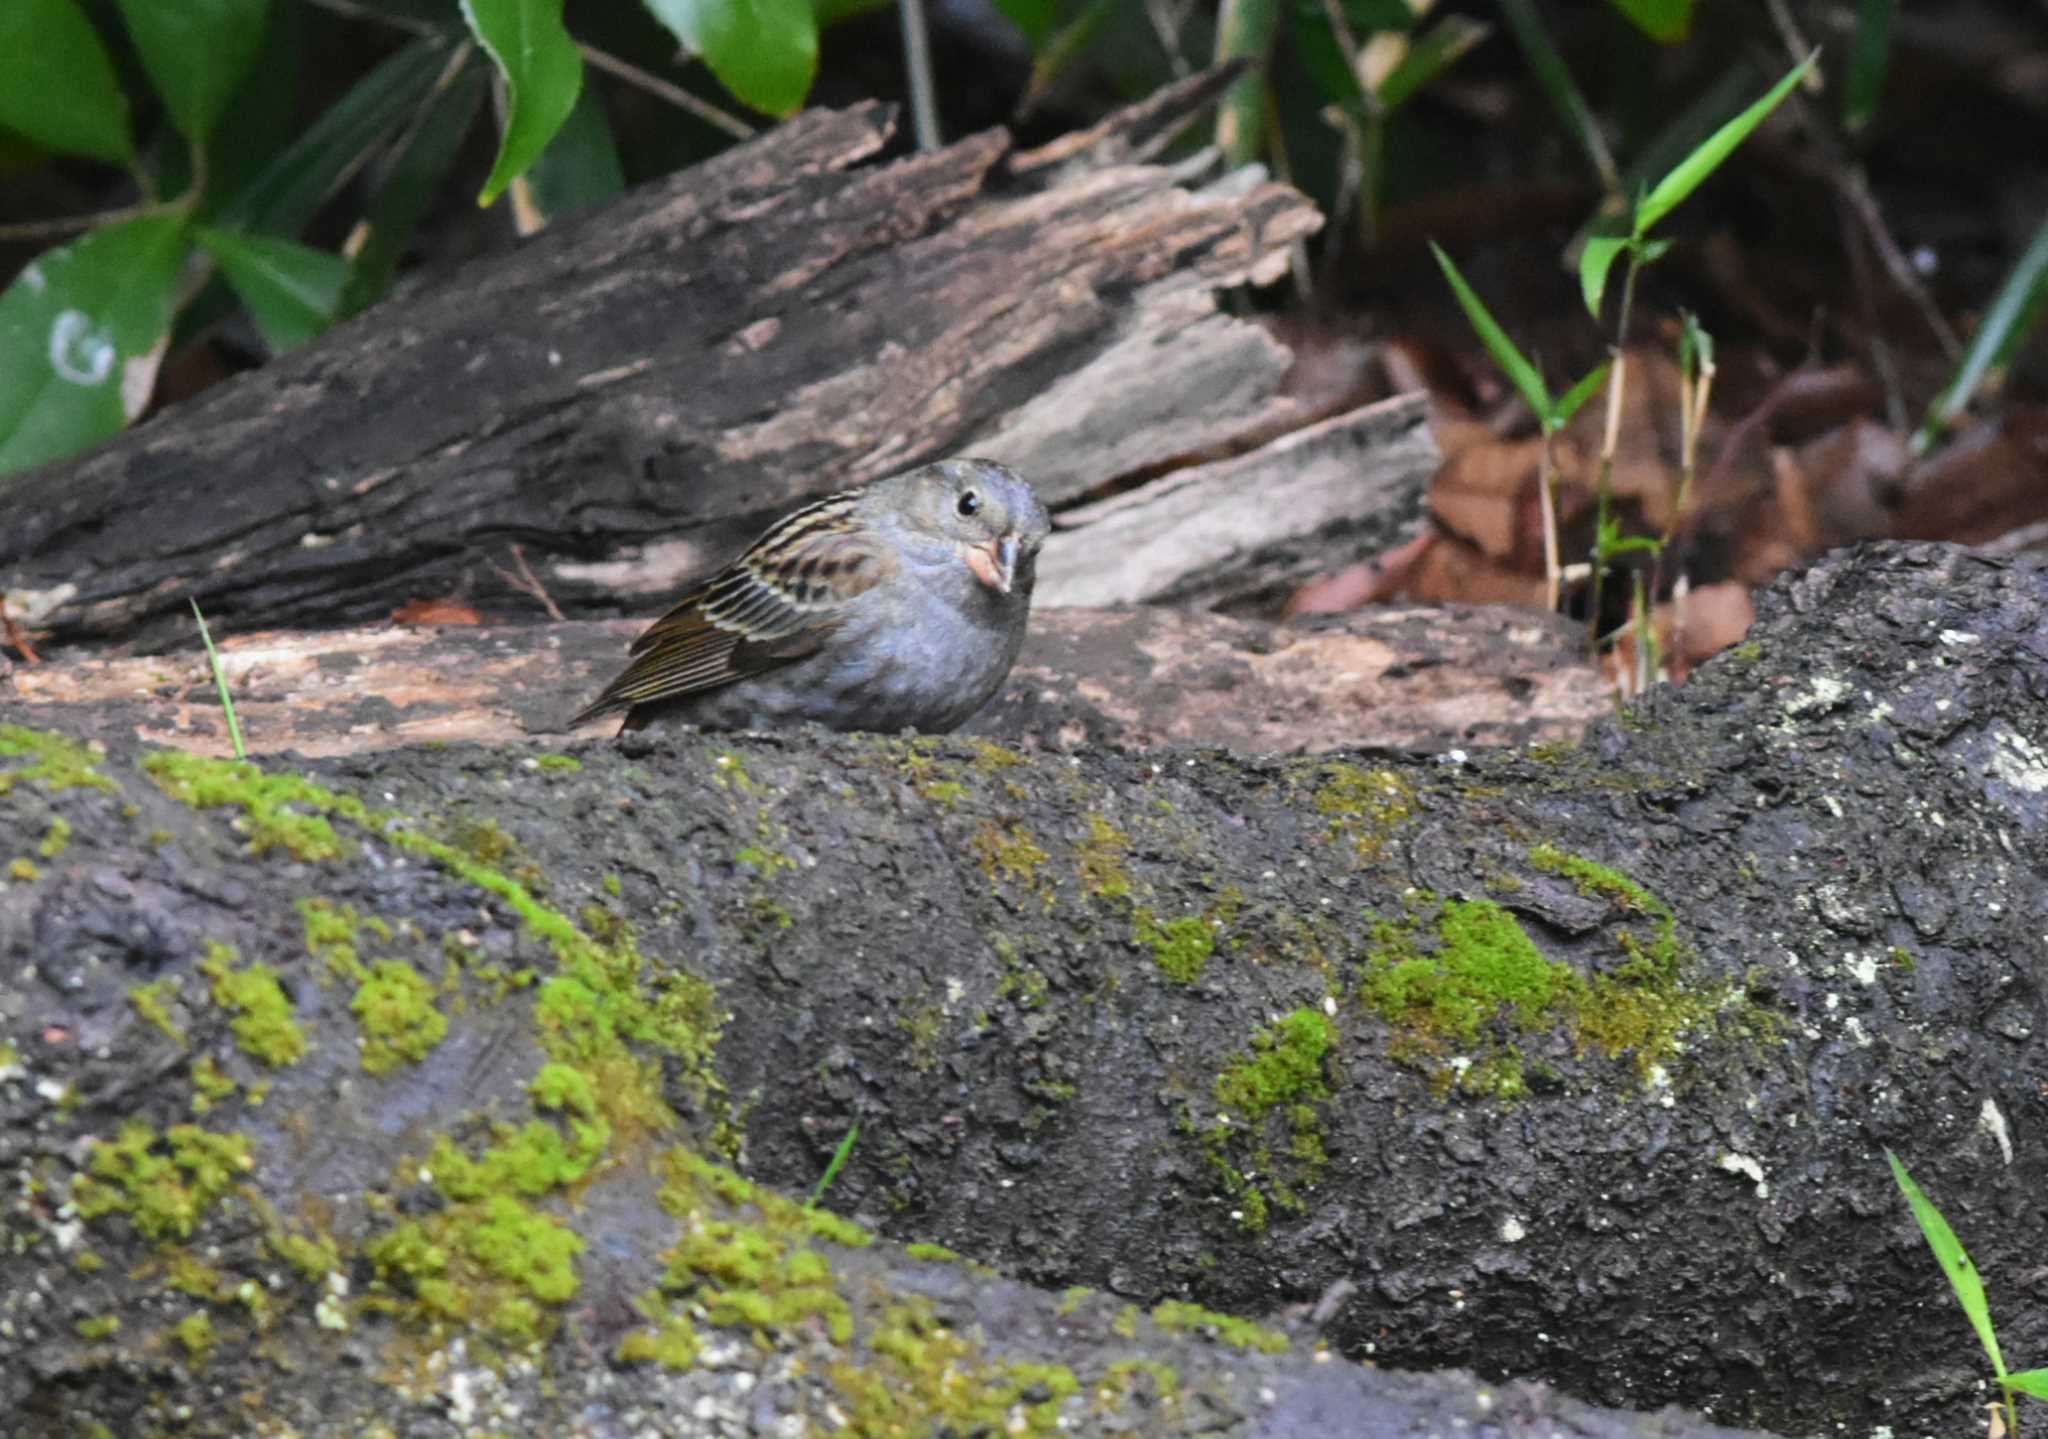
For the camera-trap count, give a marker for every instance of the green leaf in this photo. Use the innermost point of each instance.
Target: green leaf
(2029, 1381)
(284, 195)
(543, 73)
(2013, 314)
(82, 330)
(196, 52)
(1869, 58)
(409, 189)
(1595, 260)
(1949, 1254)
(291, 289)
(1555, 80)
(1429, 55)
(1519, 371)
(582, 166)
(1692, 171)
(1034, 19)
(57, 85)
(764, 51)
(1244, 29)
(1665, 21)
(1575, 398)
(1695, 346)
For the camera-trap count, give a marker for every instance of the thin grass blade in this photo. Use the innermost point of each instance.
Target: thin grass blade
(839, 1158)
(2012, 316)
(1521, 374)
(220, 683)
(1575, 398)
(1555, 79)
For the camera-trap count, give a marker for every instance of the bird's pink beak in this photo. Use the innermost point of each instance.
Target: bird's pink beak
(995, 563)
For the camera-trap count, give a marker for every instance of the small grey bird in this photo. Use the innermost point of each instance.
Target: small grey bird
(901, 604)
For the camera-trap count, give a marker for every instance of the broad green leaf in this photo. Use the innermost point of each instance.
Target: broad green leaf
(283, 197)
(1244, 30)
(1595, 260)
(1519, 371)
(410, 187)
(1692, 171)
(582, 166)
(1575, 398)
(1429, 55)
(1954, 1262)
(543, 73)
(1034, 19)
(196, 52)
(291, 289)
(2013, 314)
(1665, 21)
(1869, 58)
(764, 51)
(57, 85)
(2029, 1381)
(82, 330)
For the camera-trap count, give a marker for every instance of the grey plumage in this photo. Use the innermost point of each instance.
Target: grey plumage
(901, 605)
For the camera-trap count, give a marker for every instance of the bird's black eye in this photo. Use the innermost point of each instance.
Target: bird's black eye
(970, 502)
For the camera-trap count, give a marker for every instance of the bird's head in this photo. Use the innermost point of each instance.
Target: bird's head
(983, 511)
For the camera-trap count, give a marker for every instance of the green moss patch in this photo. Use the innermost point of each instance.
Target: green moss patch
(163, 1183)
(263, 1022)
(1460, 981)
(53, 761)
(924, 1377)
(400, 1023)
(1276, 1087)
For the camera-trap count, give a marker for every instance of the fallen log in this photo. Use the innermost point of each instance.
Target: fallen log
(633, 393)
(1390, 678)
(1573, 1063)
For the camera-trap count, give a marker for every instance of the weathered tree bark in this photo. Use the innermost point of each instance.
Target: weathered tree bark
(1578, 1064)
(1418, 679)
(631, 394)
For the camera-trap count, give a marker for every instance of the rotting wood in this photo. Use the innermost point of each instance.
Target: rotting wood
(1313, 499)
(1410, 678)
(674, 367)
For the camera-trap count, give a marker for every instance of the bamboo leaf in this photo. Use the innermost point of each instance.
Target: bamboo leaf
(1521, 374)
(1691, 172)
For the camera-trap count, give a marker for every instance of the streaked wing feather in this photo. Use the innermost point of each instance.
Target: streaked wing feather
(776, 603)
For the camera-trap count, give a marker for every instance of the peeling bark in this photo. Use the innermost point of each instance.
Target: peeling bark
(675, 368)
(1421, 679)
(1132, 1020)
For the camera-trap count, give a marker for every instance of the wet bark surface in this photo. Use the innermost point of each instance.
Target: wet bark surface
(1577, 1063)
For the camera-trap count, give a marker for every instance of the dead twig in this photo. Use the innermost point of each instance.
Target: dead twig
(526, 582)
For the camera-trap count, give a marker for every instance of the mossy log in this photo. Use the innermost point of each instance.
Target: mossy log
(417, 1085)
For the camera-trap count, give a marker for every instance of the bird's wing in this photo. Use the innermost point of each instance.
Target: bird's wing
(776, 603)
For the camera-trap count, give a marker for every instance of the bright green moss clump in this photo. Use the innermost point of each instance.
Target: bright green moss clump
(263, 1022)
(54, 761)
(274, 806)
(165, 1184)
(1286, 1067)
(1283, 1074)
(1180, 947)
(927, 1378)
(1457, 998)
(395, 1007)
